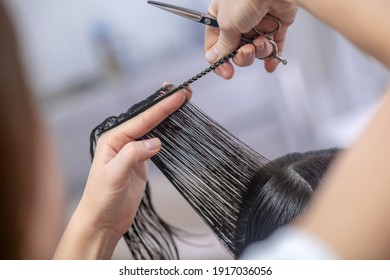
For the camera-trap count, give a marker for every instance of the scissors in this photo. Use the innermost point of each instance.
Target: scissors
(209, 20)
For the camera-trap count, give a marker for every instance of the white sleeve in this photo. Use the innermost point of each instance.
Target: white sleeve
(289, 243)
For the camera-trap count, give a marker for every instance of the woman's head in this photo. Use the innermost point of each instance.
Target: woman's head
(26, 167)
(278, 198)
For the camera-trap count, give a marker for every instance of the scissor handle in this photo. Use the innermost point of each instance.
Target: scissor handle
(274, 53)
(210, 20)
(268, 35)
(273, 31)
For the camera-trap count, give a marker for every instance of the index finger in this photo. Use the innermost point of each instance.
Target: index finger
(144, 122)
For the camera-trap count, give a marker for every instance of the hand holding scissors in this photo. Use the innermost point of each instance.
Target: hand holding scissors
(209, 20)
(273, 34)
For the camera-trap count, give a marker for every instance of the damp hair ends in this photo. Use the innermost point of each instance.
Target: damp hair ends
(204, 162)
(239, 194)
(149, 236)
(282, 196)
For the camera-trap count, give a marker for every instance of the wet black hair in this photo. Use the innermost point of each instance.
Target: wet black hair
(280, 192)
(242, 196)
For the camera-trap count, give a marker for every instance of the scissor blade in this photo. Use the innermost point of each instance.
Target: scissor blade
(187, 13)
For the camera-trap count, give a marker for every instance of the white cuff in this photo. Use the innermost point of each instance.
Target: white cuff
(289, 243)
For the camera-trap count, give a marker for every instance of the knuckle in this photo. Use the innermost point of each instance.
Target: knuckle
(113, 141)
(132, 153)
(136, 152)
(145, 122)
(103, 138)
(223, 45)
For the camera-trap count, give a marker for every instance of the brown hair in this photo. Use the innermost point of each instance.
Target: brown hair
(17, 146)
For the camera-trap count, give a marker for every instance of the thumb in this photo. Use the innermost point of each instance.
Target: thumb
(132, 154)
(228, 41)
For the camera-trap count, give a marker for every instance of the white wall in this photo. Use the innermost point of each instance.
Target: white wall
(58, 36)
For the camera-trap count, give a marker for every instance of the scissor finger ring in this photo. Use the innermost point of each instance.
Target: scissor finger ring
(274, 53)
(275, 20)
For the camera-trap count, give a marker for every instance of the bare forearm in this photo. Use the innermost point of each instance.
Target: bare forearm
(84, 241)
(365, 22)
(352, 209)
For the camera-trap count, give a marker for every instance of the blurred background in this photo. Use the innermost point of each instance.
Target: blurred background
(90, 59)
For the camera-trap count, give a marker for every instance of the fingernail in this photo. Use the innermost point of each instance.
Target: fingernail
(259, 45)
(153, 144)
(248, 53)
(212, 55)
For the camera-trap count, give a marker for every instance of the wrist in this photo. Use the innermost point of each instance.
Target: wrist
(84, 239)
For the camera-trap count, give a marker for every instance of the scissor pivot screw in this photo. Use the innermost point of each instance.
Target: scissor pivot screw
(207, 21)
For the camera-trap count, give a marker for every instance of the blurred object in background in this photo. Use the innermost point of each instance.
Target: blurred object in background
(108, 49)
(90, 59)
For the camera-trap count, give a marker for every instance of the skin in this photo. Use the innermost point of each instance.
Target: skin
(239, 17)
(351, 211)
(45, 226)
(115, 185)
(354, 203)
